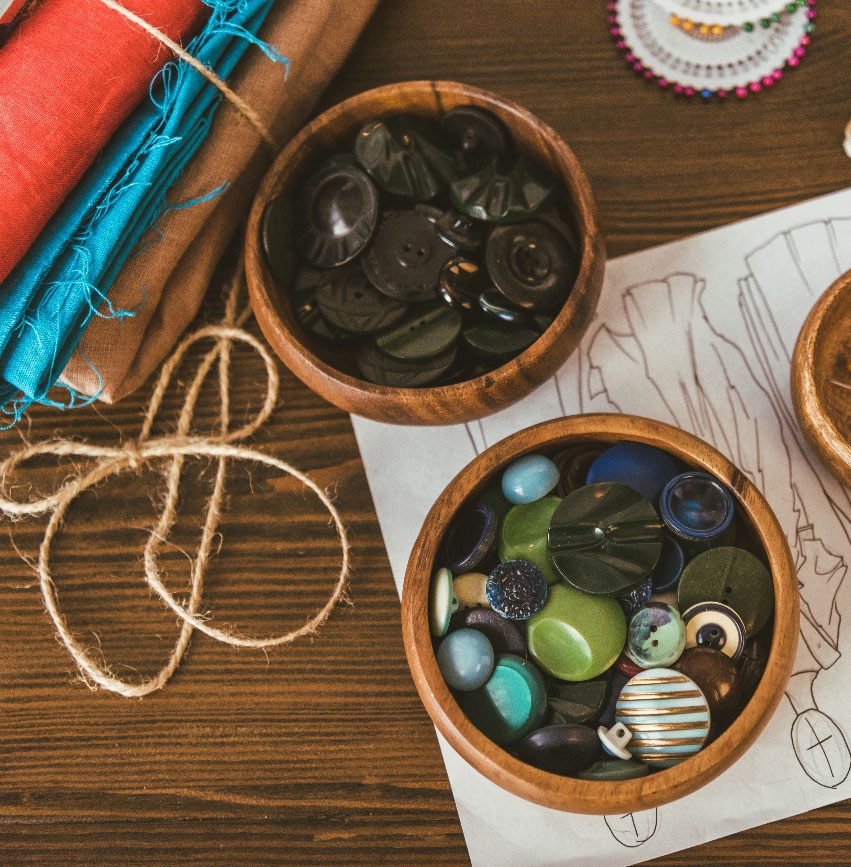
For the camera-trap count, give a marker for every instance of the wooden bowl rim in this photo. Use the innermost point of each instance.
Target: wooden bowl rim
(813, 417)
(262, 291)
(563, 793)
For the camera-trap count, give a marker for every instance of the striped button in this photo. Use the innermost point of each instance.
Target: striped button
(667, 715)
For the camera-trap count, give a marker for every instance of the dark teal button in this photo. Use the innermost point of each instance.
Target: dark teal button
(424, 334)
(581, 701)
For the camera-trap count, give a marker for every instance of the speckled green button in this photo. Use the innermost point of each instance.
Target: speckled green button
(511, 704)
(656, 636)
(732, 576)
(523, 535)
(576, 636)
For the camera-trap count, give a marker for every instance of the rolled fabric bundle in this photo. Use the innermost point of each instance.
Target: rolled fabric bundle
(61, 100)
(171, 273)
(57, 288)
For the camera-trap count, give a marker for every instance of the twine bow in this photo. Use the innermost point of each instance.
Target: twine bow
(134, 454)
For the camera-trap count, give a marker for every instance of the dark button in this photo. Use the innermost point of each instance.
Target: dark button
(476, 132)
(619, 681)
(306, 307)
(337, 215)
(573, 464)
(696, 507)
(502, 194)
(752, 663)
(470, 538)
(461, 283)
(627, 666)
(406, 257)
(503, 634)
(732, 576)
(404, 156)
(517, 589)
(424, 334)
(718, 678)
(667, 572)
(348, 300)
(499, 340)
(641, 466)
(581, 701)
(276, 233)
(463, 232)
(494, 497)
(605, 538)
(637, 597)
(494, 304)
(382, 369)
(560, 749)
(530, 264)
(614, 770)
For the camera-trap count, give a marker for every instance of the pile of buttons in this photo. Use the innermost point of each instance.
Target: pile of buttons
(434, 251)
(603, 612)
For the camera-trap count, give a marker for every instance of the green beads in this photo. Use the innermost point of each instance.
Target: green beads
(576, 636)
(524, 535)
(511, 704)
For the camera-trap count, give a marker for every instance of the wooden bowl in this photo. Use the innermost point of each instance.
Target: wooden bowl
(335, 129)
(550, 790)
(821, 360)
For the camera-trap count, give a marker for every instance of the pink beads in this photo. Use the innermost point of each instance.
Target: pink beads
(662, 82)
(768, 81)
(741, 92)
(688, 91)
(800, 51)
(777, 74)
(755, 87)
(793, 61)
(638, 66)
(629, 57)
(721, 94)
(620, 45)
(678, 89)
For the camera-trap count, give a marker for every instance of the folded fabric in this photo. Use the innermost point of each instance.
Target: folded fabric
(61, 100)
(51, 295)
(172, 270)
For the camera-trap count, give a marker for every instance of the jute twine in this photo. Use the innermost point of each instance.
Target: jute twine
(134, 454)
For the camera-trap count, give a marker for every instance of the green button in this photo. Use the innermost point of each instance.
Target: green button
(581, 701)
(732, 576)
(425, 334)
(511, 704)
(611, 770)
(523, 535)
(576, 636)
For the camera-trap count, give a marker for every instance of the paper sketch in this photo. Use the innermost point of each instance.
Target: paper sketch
(698, 334)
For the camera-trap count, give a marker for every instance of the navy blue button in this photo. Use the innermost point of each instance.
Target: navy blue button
(644, 468)
(669, 568)
(637, 597)
(696, 507)
(517, 589)
(560, 749)
(470, 539)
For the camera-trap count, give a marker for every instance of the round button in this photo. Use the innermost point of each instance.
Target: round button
(463, 232)
(382, 369)
(637, 597)
(560, 749)
(643, 467)
(470, 538)
(576, 636)
(426, 333)
(529, 478)
(605, 538)
(511, 704)
(655, 706)
(442, 603)
(276, 233)
(461, 283)
(656, 636)
(696, 507)
(475, 132)
(465, 659)
(523, 535)
(349, 301)
(669, 568)
(530, 265)
(406, 257)
(306, 308)
(498, 341)
(504, 635)
(402, 153)
(516, 589)
(493, 303)
(752, 663)
(614, 770)
(732, 576)
(712, 624)
(580, 701)
(627, 666)
(337, 215)
(471, 590)
(502, 193)
(573, 464)
(718, 678)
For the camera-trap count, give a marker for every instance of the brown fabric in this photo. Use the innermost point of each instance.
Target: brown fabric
(167, 279)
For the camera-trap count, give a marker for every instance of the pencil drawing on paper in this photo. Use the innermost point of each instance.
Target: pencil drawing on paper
(663, 356)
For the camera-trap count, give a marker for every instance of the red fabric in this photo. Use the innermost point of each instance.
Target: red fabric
(69, 75)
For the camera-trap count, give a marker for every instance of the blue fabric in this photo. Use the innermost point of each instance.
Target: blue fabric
(50, 297)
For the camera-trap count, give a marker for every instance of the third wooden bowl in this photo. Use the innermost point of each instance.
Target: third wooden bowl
(564, 793)
(311, 362)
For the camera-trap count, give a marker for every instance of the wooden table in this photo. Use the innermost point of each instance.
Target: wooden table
(322, 752)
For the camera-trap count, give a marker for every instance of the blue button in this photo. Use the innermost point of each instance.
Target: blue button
(644, 468)
(669, 567)
(465, 659)
(696, 507)
(529, 478)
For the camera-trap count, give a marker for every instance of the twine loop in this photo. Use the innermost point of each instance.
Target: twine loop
(107, 461)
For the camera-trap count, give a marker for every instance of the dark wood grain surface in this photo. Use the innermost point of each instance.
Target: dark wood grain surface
(322, 753)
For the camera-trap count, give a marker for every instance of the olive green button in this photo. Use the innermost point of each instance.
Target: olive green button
(576, 636)
(732, 576)
(523, 535)
(605, 538)
(511, 704)
(611, 770)
(425, 334)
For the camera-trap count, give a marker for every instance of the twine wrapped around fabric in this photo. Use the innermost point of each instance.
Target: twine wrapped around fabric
(132, 455)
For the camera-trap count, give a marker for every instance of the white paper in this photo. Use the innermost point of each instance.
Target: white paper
(698, 333)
